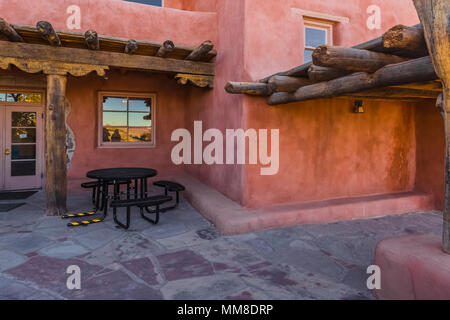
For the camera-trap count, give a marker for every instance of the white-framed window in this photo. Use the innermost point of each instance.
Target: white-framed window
(317, 33)
(126, 119)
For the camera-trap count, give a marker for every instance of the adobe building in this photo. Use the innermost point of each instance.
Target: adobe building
(117, 102)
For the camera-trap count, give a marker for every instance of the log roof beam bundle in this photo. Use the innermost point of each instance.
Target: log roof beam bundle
(416, 70)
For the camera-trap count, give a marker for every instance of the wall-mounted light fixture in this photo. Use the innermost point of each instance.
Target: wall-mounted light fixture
(358, 107)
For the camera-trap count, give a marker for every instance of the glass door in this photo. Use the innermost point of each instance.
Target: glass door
(22, 147)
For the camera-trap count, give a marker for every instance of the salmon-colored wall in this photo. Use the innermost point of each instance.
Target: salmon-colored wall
(218, 109)
(82, 94)
(430, 151)
(274, 31)
(326, 151)
(192, 5)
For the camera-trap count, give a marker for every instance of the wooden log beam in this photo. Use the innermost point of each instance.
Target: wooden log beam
(55, 137)
(92, 41)
(351, 59)
(420, 69)
(403, 37)
(103, 58)
(319, 74)
(201, 52)
(287, 84)
(167, 47)
(48, 33)
(300, 71)
(131, 47)
(435, 18)
(250, 88)
(8, 31)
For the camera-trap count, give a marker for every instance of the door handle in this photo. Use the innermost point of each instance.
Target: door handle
(7, 151)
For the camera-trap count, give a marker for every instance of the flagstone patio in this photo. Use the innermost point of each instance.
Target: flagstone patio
(184, 257)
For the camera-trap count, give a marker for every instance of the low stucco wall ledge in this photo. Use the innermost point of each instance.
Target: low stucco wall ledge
(230, 218)
(413, 267)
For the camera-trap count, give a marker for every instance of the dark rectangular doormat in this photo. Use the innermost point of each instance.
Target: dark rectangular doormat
(16, 195)
(5, 207)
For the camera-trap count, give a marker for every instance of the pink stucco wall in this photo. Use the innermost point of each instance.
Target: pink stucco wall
(325, 150)
(82, 94)
(117, 18)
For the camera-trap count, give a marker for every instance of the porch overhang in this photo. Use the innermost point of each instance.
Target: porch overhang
(72, 53)
(58, 54)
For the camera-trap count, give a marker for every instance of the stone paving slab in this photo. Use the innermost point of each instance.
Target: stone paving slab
(115, 285)
(63, 250)
(9, 259)
(184, 257)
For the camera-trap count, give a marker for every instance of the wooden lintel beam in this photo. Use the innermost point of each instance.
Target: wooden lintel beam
(429, 86)
(48, 33)
(8, 31)
(392, 92)
(196, 80)
(378, 98)
(103, 58)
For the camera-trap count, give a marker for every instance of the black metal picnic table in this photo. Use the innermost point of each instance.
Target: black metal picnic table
(116, 175)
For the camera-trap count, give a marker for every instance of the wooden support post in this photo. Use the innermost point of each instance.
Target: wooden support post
(351, 59)
(48, 33)
(167, 47)
(435, 17)
(131, 46)
(92, 41)
(55, 155)
(9, 32)
(250, 88)
(201, 52)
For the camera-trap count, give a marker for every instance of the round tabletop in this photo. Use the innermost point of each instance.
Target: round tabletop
(122, 173)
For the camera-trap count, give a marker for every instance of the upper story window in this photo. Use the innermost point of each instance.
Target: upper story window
(158, 3)
(316, 34)
(126, 120)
